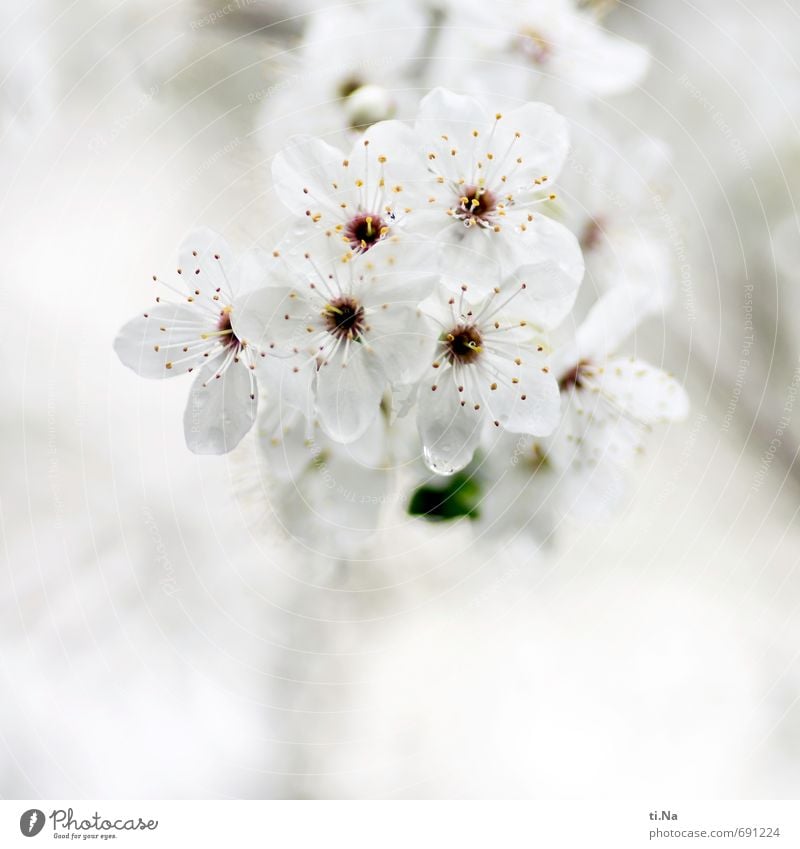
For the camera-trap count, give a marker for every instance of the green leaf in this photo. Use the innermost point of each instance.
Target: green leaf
(454, 498)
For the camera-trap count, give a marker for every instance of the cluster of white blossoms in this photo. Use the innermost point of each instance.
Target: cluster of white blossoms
(414, 338)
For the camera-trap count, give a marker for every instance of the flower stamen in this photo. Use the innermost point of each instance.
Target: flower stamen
(463, 344)
(477, 205)
(344, 318)
(365, 230)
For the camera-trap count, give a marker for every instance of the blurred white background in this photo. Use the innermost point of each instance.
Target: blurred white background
(162, 638)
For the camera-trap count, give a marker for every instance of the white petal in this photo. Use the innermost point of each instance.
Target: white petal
(610, 321)
(533, 404)
(371, 449)
(290, 379)
(336, 504)
(602, 63)
(553, 241)
(642, 391)
(442, 112)
(592, 432)
(472, 253)
(398, 273)
(349, 394)
(272, 316)
(207, 263)
(286, 441)
(548, 296)
(450, 433)
(290, 443)
(219, 411)
(373, 40)
(254, 271)
(403, 339)
(304, 174)
(437, 306)
(352, 506)
(543, 141)
(405, 164)
(630, 257)
(478, 257)
(148, 342)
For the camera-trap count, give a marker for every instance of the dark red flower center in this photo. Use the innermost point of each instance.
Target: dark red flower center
(572, 377)
(344, 318)
(476, 204)
(463, 344)
(226, 336)
(364, 230)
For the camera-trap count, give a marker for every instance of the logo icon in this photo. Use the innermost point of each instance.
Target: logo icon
(31, 822)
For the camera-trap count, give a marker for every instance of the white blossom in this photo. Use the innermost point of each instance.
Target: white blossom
(611, 401)
(620, 193)
(342, 330)
(514, 47)
(324, 494)
(200, 334)
(365, 196)
(352, 69)
(491, 182)
(489, 369)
